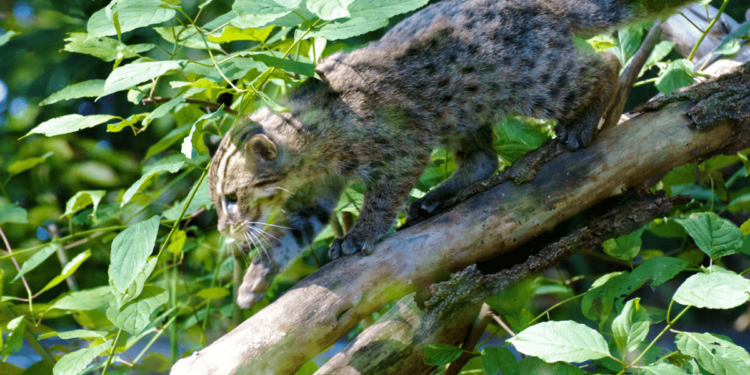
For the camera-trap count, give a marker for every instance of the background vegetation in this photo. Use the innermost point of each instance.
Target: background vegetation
(117, 263)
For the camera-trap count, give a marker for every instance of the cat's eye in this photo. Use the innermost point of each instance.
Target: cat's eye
(231, 198)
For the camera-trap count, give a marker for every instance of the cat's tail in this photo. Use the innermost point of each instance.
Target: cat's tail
(595, 16)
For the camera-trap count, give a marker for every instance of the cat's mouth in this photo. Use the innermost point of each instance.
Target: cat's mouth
(250, 234)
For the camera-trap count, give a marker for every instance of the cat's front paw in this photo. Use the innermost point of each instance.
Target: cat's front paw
(423, 207)
(256, 282)
(348, 245)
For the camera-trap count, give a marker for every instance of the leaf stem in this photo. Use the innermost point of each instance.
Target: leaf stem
(112, 352)
(556, 306)
(18, 268)
(708, 29)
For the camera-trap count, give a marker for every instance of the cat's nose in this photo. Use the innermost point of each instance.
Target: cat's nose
(222, 225)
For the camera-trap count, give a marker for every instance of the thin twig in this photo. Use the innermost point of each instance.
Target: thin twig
(480, 324)
(502, 324)
(205, 103)
(18, 268)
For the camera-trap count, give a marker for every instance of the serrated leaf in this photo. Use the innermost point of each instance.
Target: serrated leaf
(14, 341)
(86, 89)
(349, 28)
(136, 314)
(717, 290)
(5, 38)
(107, 49)
(624, 247)
(561, 341)
(677, 74)
(441, 354)
(69, 124)
(131, 15)
(599, 299)
(662, 369)
(83, 300)
(714, 236)
(231, 34)
(26, 164)
(169, 167)
(257, 13)
(213, 293)
(68, 270)
(131, 75)
(130, 251)
(74, 363)
(75, 334)
(718, 356)
(631, 326)
(81, 200)
(383, 8)
(11, 213)
(329, 9)
(136, 287)
(187, 36)
(35, 260)
(495, 358)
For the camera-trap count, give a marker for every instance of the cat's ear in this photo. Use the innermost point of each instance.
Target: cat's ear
(212, 143)
(261, 147)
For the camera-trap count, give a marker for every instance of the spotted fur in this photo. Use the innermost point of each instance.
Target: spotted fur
(440, 77)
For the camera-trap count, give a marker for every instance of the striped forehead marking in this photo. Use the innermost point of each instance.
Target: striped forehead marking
(224, 166)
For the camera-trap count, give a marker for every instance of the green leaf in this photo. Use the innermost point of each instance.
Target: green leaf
(231, 34)
(164, 109)
(14, 341)
(235, 68)
(383, 8)
(213, 293)
(131, 75)
(168, 140)
(69, 124)
(86, 89)
(75, 334)
(35, 260)
(5, 38)
(662, 369)
(728, 48)
(561, 341)
(628, 41)
(84, 300)
(441, 354)
(286, 65)
(107, 49)
(136, 287)
(26, 164)
(631, 326)
(131, 15)
(730, 45)
(81, 200)
(495, 358)
(188, 36)
(130, 251)
(68, 270)
(661, 50)
(714, 236)
(308, 368)
(169, 167)
(329, 9)
(11, 213)
(187, 143)
(719, 357)
(656, 271)
(677, 74)
(624, 247)
(349, 28)
(257, 13)
(177, 242)
(74, 363)
(137, 314)
(599, 299)
(717, 290)
(535, 366)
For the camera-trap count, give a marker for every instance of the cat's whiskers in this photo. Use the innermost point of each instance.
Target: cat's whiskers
(259, 243)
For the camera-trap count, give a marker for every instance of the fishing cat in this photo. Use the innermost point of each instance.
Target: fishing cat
(441, 77)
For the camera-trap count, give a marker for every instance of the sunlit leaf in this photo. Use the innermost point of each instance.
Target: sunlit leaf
(11, 213)
(14, 340)
(68, 270)
(69, 124)
(130, 251)
(663, 369)
(624, 247)
(231, 34)
(441, 354)
(26, 164)
(714, 235)
(561, 341)
(631, 326)
(5, 38)
(131, 75)
(131, 15)
(677, 74)
(382, 8)
(81, 200)
(35, 260)
(329, 9)
(136, 287)
(74, 363)
(187, 36)
(349, 28)
(717, 290)
(171, 168)
(75, 334)
(137, 314)
(213, 293)
(257, 13)
(718, 356)
(107, 49)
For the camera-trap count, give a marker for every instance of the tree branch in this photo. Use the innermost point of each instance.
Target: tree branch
(327, 304)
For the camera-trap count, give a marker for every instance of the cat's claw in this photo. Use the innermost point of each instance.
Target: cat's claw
(421, 206)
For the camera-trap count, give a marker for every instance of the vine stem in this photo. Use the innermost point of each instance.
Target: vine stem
(708, 29)
(556, 306)
(669, 325)
(18, 268)
(112, 352)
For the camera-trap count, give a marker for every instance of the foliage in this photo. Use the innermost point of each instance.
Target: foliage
(114, 159)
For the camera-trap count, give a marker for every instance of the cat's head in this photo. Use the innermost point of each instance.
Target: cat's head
(247, 178)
